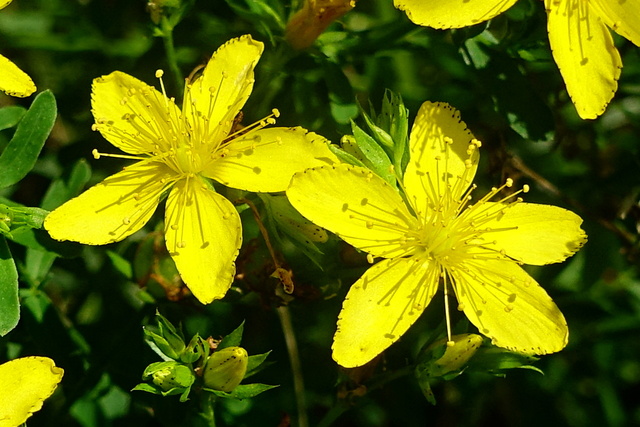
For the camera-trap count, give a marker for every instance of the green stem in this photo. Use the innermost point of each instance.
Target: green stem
(170, 50)
(207, 412)
(296, 367)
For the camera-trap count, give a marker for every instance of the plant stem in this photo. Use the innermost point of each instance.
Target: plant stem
(170, 50)
(296, 367)
(207, 413)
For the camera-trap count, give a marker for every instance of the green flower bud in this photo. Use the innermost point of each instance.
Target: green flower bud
(225, 368)
(442, 358)
(169, 375)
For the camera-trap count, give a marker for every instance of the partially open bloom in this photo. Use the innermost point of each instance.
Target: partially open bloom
(308, 23)
(433, 235)
(24, 385)
(177, 151)
(14, 81)
(581, 43)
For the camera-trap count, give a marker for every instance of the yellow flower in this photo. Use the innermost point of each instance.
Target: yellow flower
(178, 151)
(308, 23)
(24, 385)
(14, 81)
(433, 236)
(581, 43)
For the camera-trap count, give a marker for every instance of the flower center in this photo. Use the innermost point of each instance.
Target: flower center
(450, 231)
(188, 161)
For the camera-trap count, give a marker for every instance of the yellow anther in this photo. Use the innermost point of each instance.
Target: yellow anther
(276, 112)
(370, 258)
(525, 188)
(159, 74)
(96, 154)
(509, 182)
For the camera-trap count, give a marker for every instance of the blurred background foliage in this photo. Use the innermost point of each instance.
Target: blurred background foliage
(86, 309)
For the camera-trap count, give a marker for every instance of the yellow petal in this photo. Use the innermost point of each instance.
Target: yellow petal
(380, 307)
(215, 98)
(622, 16)
(584, 51)
(203, 236)
(355, 204)
(265, 160)
(14, 81)
(24, 385)
(132, 115)
(452, 13)
(440, 165)
(4, 3)
(508, 306)
(113, 209)
(535, 234)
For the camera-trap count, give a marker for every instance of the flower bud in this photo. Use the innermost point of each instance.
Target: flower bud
(308, 23)
(225, 368)
(169, 375)
(456, 354)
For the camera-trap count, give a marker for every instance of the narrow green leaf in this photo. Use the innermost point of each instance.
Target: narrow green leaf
(60, 190)
(233, 339)
(345, 157)
(9, 301)
(24, 148)
(10, 116)
(256, 363)
(375, 154)
(243, 391)
(121, 264)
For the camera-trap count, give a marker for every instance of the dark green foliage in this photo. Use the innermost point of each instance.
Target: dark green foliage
(366, 76)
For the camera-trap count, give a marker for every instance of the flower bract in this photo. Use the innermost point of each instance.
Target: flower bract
(178, 152)
(580, 41)
(432, 236)
(24, 385)
(14, 81)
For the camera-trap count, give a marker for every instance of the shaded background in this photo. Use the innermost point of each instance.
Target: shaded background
(87, 312)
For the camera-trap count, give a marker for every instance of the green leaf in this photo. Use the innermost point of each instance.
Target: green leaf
(243, 391)
(9, 301)
(40, 239)
(345, 157)
(256, 363)
(24, 148)
(121, 264)
(10, 116)
(233, 339)
(148, 388)
(497, 361)
(60, 191)
(377, 158)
